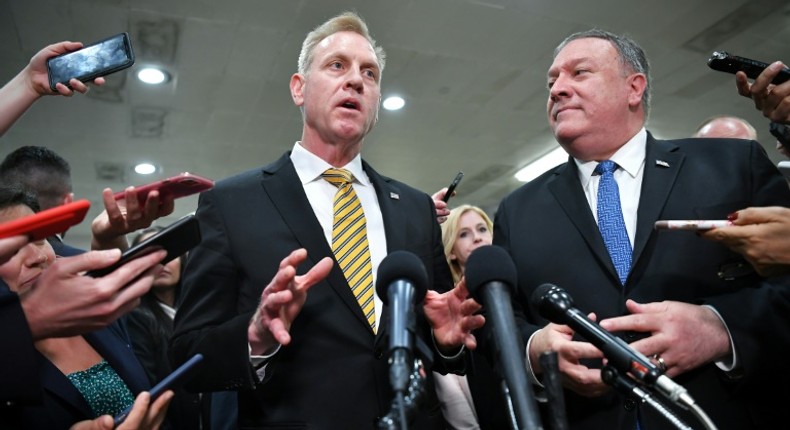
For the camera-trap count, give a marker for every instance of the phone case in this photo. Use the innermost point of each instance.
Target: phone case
(182, 185)
(177, 238)
(91, 61)
(723, 61)
(172, 381)
(47, 222)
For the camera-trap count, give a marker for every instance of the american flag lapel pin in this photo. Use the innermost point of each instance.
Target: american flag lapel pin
(662, 163)
(394, 196)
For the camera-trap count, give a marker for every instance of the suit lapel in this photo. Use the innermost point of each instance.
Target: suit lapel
(54, 381)
(568, 191)
(662, 164)
(283, 187)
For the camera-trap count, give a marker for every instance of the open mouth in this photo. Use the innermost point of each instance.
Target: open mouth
(350, 104)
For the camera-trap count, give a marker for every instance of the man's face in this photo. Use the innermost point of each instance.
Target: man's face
(591, 97)
(340, 94)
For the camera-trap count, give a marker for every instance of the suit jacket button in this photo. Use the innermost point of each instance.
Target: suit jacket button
(378, 353)
(629, 404)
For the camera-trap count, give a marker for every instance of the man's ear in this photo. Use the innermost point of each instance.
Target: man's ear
(68, 198)
(638, 85)
(297, 88)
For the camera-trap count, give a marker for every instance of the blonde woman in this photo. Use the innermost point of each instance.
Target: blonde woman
(473, 401)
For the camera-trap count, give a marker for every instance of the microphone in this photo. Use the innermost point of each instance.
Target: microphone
(556, 305)
(401, 282)
(491, 279)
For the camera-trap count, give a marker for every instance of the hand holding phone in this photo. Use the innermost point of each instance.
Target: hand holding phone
(176, 239)
(177, 186)
(171, 382)
(696, 225)
(453, 185)
(724, 62)
(99, 59)
(47, 222)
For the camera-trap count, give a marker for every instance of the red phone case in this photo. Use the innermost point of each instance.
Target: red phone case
(181, 185)
(48, 222)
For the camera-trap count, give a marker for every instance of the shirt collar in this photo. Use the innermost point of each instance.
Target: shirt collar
(629, 157)
(309, 166)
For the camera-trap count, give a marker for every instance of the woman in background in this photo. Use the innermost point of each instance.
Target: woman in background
(474, 401)
(83, 377)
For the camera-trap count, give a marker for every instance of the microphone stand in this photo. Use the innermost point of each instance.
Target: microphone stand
(631, 390)
(404, 408)
(551, 381)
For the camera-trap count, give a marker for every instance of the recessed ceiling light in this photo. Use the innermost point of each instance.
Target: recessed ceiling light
(152, 75)
(145, 168)
(393, 103)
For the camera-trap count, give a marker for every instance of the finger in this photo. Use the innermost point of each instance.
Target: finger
(138, 412)
(99, 81)
(133, 209)
(134, 268)
(158, 410)
(10, 245)
(742, 83)
(316, 274)
(166, 205)
(78, 86)
(88, 261)
(279, 332)
(111, 206)
(63, 90)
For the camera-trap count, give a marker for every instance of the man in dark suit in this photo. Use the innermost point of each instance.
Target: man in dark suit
(694, 306)
(314, 359)
(47, 174)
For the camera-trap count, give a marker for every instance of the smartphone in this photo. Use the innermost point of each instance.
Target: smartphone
(725, 62)
(47, 222)
(99, 59)
(451, 188)
(177, 238)
(697, 225)
(181, 185)
(172, 381)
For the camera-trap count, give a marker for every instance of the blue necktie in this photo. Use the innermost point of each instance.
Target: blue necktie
(610, 220)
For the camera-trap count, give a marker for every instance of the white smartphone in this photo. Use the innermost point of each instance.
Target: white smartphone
(690, 224)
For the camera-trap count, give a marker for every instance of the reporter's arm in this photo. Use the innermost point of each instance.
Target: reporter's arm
(33, 82)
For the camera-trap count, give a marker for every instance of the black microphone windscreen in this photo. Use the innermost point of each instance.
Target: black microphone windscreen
(551, 302)
(489, 263)
(401, 265)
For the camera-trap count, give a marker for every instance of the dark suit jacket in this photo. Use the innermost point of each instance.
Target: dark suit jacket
(549, 229)
(18, 367)
(334, 374)
(62, 405)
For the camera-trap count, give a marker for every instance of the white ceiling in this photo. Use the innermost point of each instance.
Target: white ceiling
(472, 73)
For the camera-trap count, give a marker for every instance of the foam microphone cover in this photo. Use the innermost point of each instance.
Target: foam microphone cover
(486, 264)
(401, 265)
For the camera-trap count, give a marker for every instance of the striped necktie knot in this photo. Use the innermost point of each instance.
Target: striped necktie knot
(338, 177)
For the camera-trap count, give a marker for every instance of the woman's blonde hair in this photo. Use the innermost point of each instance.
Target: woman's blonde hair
(450, 235)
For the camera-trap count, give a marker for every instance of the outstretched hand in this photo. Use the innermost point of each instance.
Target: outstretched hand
(281, 302)
(453, 317)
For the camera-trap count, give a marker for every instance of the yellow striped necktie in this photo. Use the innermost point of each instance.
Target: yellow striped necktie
(350, 241)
